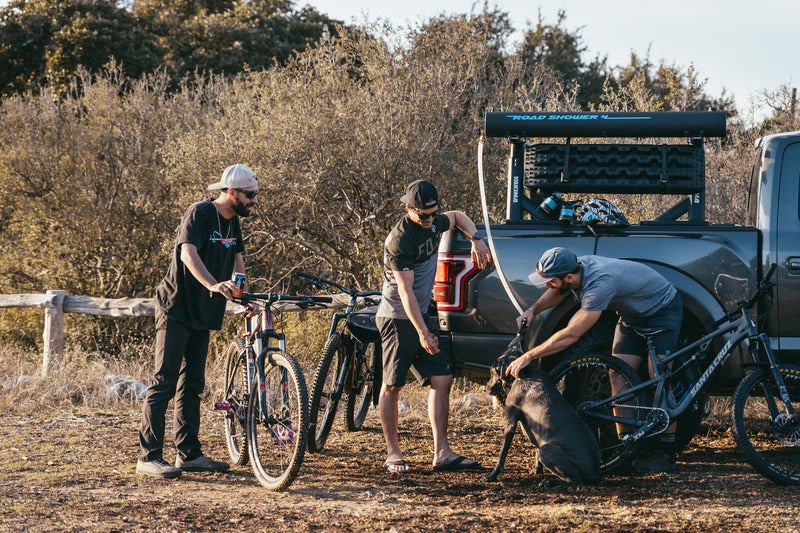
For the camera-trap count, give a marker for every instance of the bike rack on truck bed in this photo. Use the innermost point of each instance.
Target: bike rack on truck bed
(537, 170)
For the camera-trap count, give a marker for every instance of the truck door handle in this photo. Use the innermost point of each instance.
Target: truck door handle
(793, 264)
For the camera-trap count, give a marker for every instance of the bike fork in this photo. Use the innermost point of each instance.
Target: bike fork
(763, 342)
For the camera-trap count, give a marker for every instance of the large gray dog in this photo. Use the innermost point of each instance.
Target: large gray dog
(566, 445)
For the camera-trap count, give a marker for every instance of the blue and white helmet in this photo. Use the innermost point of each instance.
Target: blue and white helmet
(602, 212)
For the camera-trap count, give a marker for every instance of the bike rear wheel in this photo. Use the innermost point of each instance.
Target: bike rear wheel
(235, 392)
(359, 395)
(277, 432)
(766, 434)
(325, 392)
(584, 381)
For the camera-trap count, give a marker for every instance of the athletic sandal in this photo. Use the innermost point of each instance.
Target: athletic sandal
(456, 463)
(397, 466)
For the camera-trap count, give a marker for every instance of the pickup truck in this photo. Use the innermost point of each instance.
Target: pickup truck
(712, 265)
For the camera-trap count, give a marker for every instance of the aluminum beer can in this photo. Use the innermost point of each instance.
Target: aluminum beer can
(238, 284)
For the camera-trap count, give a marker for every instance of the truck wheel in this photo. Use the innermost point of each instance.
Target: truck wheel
(597, 340)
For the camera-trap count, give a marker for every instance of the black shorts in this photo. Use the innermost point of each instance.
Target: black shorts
(403, 352)
(668, 318)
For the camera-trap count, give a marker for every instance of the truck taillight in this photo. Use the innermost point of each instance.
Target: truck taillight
(453, 272)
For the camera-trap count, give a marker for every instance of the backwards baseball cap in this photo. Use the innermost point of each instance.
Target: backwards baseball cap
(556, 262)
(235, 177)
(420, 194)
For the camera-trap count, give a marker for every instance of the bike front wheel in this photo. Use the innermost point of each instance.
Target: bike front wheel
(325, 392)
(585, 382)
(766, 433)
(278, 422)
(235, 390)
(362, 383)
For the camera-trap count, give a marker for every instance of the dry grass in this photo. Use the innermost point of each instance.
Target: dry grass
(80, 379)
(83, 380)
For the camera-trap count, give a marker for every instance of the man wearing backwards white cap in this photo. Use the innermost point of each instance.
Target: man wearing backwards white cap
(208, 249)
(641, 297)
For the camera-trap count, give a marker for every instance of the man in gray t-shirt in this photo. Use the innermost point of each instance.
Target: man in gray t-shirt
(641, 297)
(407, 342)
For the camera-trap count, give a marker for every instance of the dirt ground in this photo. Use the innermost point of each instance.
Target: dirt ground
(73, 470)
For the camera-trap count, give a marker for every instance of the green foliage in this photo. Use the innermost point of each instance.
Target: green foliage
(226, 36)
(44, 40)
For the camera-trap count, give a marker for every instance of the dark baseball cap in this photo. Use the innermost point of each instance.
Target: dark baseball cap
(420, 194)
(556, 262)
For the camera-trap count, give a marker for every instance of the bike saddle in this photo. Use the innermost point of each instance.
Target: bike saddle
(649, 332)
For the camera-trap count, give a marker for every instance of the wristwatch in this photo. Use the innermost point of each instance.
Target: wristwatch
(475, 237)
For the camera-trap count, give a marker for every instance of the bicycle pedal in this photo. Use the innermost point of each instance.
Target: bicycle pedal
(222, 406)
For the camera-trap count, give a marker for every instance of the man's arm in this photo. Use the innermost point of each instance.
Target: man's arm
(550, 298)
(238, 264)
(480, 252)
(192, 260)
(405, 286)
(558, 341)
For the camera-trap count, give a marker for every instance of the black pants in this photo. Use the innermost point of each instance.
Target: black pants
(180, 368)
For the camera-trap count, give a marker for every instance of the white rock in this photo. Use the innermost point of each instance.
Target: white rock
(125, 388)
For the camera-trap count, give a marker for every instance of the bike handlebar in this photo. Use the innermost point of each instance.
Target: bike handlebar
(302, 301)
(323, 283)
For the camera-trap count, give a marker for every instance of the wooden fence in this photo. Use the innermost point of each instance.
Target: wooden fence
(55, 303)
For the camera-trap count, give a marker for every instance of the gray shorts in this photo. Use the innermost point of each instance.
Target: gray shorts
(668, 318)
(402, 352)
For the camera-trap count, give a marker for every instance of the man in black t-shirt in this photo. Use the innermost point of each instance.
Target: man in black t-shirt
(208, 249)
(408, 342)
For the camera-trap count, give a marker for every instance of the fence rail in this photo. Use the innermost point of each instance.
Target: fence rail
(56, 302)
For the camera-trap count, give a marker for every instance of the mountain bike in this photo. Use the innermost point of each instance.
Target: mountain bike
(264, 397)
(764, 419)
(350, 364)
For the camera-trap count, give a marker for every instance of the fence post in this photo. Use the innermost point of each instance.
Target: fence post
(53, 331)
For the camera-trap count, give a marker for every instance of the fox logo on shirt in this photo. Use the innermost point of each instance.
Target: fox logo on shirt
(427, 248)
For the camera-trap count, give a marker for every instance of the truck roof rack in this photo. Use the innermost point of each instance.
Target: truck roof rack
(538, 169)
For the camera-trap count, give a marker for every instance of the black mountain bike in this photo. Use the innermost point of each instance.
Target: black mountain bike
(350, 365)
(764, 419)
(264, 397)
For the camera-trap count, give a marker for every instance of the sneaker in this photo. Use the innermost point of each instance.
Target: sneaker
(658, 462)
(201, 464)
(157, 468)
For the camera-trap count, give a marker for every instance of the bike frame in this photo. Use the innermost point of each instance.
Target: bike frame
(259, 336)
(347, 341)
(741, 329)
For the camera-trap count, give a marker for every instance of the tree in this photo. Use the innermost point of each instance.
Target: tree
(677, 90)
(50, 39)
(43, 40)
(229, 36)
(562, 51)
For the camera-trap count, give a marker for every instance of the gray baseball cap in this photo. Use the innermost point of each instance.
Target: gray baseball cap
(236, 177)
(556, 262)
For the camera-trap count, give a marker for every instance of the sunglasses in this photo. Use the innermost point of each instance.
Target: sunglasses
(426, 216)
(250, 194)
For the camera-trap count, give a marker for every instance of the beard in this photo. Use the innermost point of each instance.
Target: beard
(240, 209)
(564, 288)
